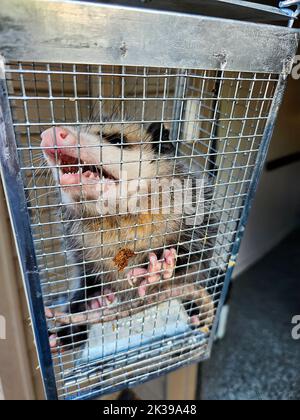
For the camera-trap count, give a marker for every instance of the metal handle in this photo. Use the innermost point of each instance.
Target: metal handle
(286, 4)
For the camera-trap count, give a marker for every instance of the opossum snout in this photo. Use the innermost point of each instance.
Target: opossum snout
(58, 136)
(75, 167)
(55, 139)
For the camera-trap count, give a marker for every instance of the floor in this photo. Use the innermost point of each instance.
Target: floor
(258, 359)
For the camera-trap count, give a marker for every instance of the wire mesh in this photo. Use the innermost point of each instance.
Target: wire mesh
(116, 316)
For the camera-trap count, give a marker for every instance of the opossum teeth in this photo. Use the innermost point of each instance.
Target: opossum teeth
(71, 165)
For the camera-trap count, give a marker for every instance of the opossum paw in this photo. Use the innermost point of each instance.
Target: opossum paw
(163, 268)
(169, 263)
(49, 313)
(158, 270)
(101, 301)
(53, 339)
(135, 275)
(68, 334)
(204, 323)
(201, 315)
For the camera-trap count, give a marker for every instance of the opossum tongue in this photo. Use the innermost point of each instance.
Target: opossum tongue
(69, 164)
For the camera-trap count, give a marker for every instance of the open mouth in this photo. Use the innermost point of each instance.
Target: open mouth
(69, 166)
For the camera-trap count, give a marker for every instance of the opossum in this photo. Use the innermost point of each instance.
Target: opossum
(124, 260)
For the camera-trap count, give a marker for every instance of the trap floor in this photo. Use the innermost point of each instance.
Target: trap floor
(258, 359)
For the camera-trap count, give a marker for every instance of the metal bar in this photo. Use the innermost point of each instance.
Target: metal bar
(64, 31)
(216, 114)
(289, 3)
(286, 7)
(14, 191)
(230, 9)
(179, 94)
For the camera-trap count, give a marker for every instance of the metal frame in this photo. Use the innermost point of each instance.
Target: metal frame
(286, 7)
(78, 32)
(17, 205)
(49, 31)
(228, 9)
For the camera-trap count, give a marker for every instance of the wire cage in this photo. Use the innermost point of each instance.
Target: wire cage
(125, 284)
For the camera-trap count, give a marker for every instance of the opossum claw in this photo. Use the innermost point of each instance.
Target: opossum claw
(154, 269)
(157, 270)
(48, 313)
(169, 263)
(53, 342)
(101, 301)
(136, 274)
(205, 318)
(142, 290)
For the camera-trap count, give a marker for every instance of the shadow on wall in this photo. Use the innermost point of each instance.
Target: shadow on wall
(276, 209)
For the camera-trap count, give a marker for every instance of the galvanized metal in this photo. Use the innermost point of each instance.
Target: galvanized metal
(77, 32)
(216, 84)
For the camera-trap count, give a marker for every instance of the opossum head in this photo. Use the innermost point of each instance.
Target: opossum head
(95, 163)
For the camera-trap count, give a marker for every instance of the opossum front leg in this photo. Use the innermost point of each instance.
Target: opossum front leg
(158, 271)
(197, 295)
(102, 301)
(75, 329)
(204, 306)
(100, 309)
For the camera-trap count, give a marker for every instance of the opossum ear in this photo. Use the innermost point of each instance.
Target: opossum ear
(161, 138)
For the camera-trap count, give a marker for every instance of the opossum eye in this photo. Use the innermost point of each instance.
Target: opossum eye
(116, 139)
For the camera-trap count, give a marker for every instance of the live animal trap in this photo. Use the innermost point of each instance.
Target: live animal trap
(131, 145)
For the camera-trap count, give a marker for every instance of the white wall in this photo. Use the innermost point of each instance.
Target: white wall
(276, 210)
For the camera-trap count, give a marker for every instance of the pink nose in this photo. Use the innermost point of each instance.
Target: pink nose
(54, 137)
(62, 133)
